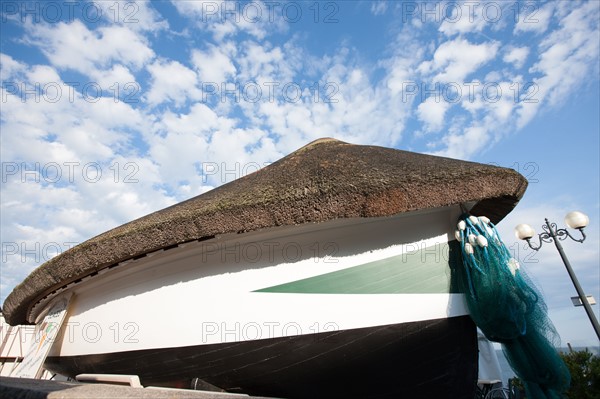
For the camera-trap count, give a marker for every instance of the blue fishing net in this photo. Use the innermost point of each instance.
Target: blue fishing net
(508, 308)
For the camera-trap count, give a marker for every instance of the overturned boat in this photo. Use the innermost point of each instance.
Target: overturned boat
(325, 274)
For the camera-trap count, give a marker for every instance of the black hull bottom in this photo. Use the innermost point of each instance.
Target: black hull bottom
(427, 359)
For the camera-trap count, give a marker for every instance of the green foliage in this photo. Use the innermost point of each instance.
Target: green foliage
(516, 388)
(585, 375)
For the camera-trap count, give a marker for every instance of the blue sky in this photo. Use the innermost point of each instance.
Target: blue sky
(111, 110)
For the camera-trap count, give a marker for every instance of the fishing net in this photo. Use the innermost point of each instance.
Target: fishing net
(509, 309)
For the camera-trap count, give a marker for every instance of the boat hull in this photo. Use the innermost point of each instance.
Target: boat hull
(424, 359)
(361, 308)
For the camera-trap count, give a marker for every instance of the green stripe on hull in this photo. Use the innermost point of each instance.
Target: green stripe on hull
(424, 271)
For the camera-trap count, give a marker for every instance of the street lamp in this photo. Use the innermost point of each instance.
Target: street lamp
(575, 220)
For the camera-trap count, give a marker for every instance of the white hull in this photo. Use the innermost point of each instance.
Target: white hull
(205, 292)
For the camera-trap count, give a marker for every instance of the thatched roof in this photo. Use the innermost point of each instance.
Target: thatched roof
(327, 179)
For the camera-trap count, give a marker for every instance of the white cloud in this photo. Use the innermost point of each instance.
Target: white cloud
(30, 234)
(117, 80)
(66, 131)
(451, 64)
(204, 8)
(379, 7)
(62, 125)
(41, 219)
(63, 218)
(228, 18)
(494, 99)
(73, 46)
(135, 15)
(211, 150)
(264, 63)
(43, 74)
(569, 55)
(464, 17)
(401, 70)
(200, 120)
(491, 106)
(432, 112)
(534, 17)
(353, 108)
(9, 67)
(65, 153)
(516, 56)
(172, 81)
(213, 65)
(462, 143)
